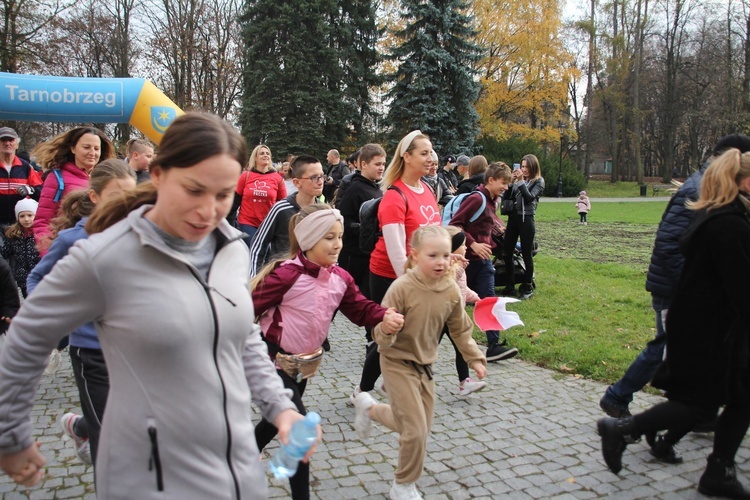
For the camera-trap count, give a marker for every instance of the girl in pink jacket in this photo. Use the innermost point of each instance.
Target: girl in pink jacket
(458, 248)
(296, 299)
(68, 160)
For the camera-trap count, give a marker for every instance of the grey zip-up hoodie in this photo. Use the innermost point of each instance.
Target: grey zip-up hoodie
(184, 361)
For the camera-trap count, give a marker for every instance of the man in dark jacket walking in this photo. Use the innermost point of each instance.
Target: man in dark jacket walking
(663, 274)
(335, 172)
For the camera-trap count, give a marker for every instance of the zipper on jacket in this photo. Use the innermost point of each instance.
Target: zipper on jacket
(154, 462)
(223, 389)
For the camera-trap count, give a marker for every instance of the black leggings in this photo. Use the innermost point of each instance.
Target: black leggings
(371, 369)
(679, 418)
(92, 379)
(265, 431)
(462, 367)
(523, 227)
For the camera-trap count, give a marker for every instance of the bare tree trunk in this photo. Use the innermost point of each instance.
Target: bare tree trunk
(590, 92)
(613, 111)
(638, 59)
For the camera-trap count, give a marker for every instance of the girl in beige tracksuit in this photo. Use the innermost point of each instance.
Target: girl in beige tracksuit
(428, 297)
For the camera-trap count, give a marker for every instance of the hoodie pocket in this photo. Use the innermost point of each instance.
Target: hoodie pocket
(154, 461)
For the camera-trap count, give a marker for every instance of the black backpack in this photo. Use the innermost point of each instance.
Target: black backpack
(369, 225)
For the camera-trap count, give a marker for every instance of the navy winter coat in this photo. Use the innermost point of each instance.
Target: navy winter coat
(666, 259)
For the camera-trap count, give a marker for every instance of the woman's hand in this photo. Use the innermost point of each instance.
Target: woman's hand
(392, 323)
(284, 422)
(25, 466)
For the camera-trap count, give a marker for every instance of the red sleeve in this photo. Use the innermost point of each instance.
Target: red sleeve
(241, 183)
(392, 209)
(270, 292)
(359, 309)
(34, 179)
(281, 191)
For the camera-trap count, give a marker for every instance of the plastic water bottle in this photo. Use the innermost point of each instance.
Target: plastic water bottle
(304, 433)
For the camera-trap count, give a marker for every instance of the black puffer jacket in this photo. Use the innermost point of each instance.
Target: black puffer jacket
(468, 185)
(666, 259)
(9, 301)
(360, 190)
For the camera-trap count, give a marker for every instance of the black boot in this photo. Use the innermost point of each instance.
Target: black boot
(525, 291)
(508, 291)
(616, 434)
(720, 480)
(663, 451)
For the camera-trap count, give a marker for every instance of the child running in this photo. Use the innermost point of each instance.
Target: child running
(20, 247)
(429, 297)
(458, 247)
(109, 180)
(296, 299)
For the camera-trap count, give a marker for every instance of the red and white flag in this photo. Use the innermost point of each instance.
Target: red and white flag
(490, 314)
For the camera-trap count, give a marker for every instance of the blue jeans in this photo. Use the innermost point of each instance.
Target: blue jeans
(249, 231)
(642, 370)
(480, 277)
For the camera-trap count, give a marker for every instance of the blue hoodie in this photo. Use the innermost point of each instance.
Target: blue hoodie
(84, 336)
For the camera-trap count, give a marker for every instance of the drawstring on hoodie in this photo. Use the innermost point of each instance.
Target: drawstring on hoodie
(427, 368)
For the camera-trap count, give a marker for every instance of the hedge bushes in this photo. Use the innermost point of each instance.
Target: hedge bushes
(512, 150)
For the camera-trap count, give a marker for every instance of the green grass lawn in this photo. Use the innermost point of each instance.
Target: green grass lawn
(641, 213)
(590, 314)
(606, 189)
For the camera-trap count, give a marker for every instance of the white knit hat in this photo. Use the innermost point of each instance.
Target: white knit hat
(26, 205)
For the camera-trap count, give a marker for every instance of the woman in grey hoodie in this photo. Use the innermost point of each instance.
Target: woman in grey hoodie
(164, 279)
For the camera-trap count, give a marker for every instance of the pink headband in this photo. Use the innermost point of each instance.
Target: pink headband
(312, 228)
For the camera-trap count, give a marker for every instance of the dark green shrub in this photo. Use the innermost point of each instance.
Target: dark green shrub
(512, 150)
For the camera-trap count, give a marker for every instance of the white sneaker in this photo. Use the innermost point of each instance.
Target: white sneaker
(53, 362)
(362, 422)
(406, 491)
(81, 445)
(354, 395)
(468, 386)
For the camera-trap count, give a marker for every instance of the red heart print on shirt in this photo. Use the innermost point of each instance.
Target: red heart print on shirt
(431, 216)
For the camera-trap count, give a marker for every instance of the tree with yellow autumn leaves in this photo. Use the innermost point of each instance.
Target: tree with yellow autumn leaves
(525, 70)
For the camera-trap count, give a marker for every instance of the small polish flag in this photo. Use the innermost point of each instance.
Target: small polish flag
(490, 314)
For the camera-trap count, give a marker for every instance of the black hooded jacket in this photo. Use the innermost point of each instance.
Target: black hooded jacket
(360, 190)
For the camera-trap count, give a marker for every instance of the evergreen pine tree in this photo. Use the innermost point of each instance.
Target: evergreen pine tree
(286, 101)
(434, 89)
(308, 66)
(356, 36)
